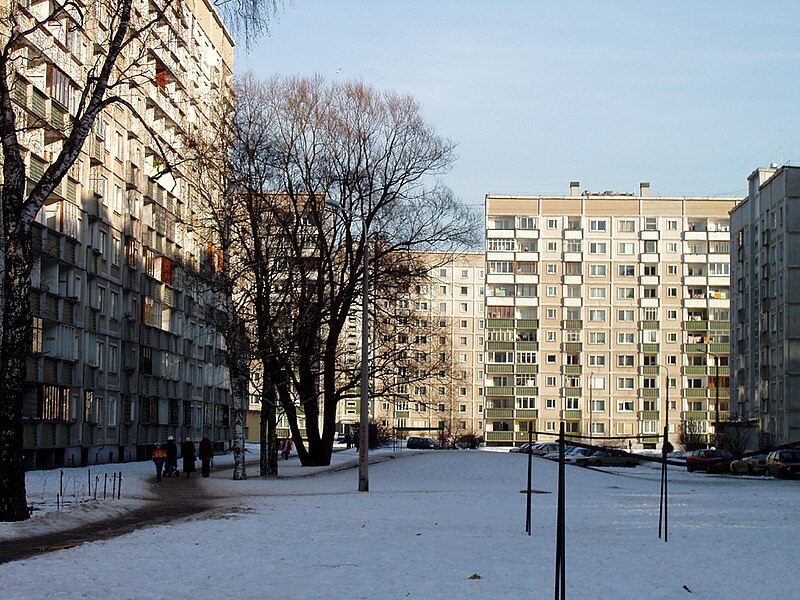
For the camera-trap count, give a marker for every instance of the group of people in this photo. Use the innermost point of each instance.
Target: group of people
(165, 457)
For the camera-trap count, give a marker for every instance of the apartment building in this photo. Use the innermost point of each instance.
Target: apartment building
(608, 312)
(122, 356)
(765, 303)
(429, 349)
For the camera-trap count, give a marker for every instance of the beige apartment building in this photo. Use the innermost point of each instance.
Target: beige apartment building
(432, 386)
(122, 355)
(608, 312)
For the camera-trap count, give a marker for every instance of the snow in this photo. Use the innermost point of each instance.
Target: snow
(430, 521)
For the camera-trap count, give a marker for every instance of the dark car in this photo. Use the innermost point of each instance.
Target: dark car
(784, 464)
(710, 461)
(420, 443)
(602, 458)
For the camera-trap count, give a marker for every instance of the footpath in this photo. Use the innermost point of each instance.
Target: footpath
(174, 499)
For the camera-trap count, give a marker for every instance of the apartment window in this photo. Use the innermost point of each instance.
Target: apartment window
(552, 291)
(573, 403)
(672, 337)
(625, 383)
(550, 336)
(597, 225)
(626, 337)
(597, 293)
(650, 314)
(598, 315)
(463, 306)
(672, 292)
(526, 223)
(550, 402)
(672, 315)
(625, 315)
(625, 360)
(719, 269)
(551, 313)
(650, 246)
(552, 269)
(551, 359)
(552, 223)
(626, 293)
(672, 225)
(464, 273)
(550, 381)
(650, 292)
(597, 360)
(626, 270)
(626, 226)
(463, 323)
(626, 248)
(672, 269)
(552, 246)
(597, 247)
(597, 337)
(651, 224)
(443, 273)
(672, 360)
(597, 270)
(672, 247)
(465, 289)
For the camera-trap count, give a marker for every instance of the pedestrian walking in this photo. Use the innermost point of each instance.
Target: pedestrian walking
(171, 464)
(189, 453)
(287, 448)
(206, 456)
(159, 456)
(348, 439)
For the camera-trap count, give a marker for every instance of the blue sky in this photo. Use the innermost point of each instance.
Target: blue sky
(690, 96)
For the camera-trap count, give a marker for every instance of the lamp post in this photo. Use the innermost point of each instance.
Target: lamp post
(363, 426)
(716, 401)
(591, 406)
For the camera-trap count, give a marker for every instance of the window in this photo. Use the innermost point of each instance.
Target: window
(550, 336)
(550, 381)
(463, 306)
(465, 290)
(550, 403)
(672, 360)
(672, 315)
(596, 270)
(552, 291)
(626, 270)
(672, 247)
(672, 269)
(626, 226)
(443, 272)
(551, 313)
(625, 383)
(551, 359)
(626, 337)
(598, 315)
(651, 223)
(464, 273)
(597, 293)
(552, 246)
(626, 293)
(625, 315)
(650, 246)
(597, 247)
(597, 337)
(626, 248)
(573, 403)
(597, 360)
(597, 225)
(672, 292)
(672, 225)
(552, 223)
(552, 269)
(625, 360)
(59, 86)
(526, 223)
(672, 337)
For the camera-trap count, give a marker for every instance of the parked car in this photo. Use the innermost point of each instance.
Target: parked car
(554, 454)
(543, 448)
(420, 443)
(523, 449)
(750, 465)
(697, 460)
(602, 458)
(578, 453)
(784, 464)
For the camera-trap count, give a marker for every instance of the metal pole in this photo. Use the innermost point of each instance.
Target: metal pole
(716, 402)
(591, 406)
(363, 432)
(528, 490)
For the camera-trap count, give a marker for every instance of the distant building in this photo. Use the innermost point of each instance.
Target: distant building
(428, 350)
(122, 353)
(614, 300)
(765, 321)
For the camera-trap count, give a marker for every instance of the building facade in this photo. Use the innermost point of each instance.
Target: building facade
(122, 356)
(765, 302)
(433, 336)
(607, 312)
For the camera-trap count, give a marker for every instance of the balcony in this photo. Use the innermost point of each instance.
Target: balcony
(571, 415)
(694, 415)
(526, 414)
(500, 323)
(694, 392)
(649, 392)
(527, 369)
(500, 369)
(527, 345)
(695, 370)
(499, 413)
(499, 345)
(650, 369)
(720, 325)
(572, 324)
(527, 323)
(500, 390)
(650, 325)
(499, 436)
(648, 415)
(695, 348)
(649, 348)
(571, 369)
(571, 392)
(695, 325)
(571, 347)
(719, 348)
(527, 391)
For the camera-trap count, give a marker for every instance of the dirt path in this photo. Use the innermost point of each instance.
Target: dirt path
(175, 499)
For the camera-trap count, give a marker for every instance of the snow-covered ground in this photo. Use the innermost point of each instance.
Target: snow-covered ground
(432, 520)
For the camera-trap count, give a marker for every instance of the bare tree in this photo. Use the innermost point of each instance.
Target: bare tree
(691, 435)
(305, 144)
(121, 37)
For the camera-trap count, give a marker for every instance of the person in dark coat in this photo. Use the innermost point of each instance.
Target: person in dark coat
(171, 463)
(189, 453)
(206, 455)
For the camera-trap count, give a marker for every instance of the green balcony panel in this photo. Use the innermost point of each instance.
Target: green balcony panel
(499, 413)
(499, 368)
(572, 369)
(572, 392)
(500, 345)
(720, 325)
(527, 391)
(719, 348)
(650, 324)
(526, 414)
(499, 391)
(572, 346)
(527, 345)
(500, 323)
(499, 436)
(527, 369)
(401, 414)
(650, 370)
(527, 323)
(695, 348)
(650, 393)
(695, 415)
(695, 370)
(650, 348)
(694, 392)
(695, 325)
(650, 415)
(571, 415)
(572, 324)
